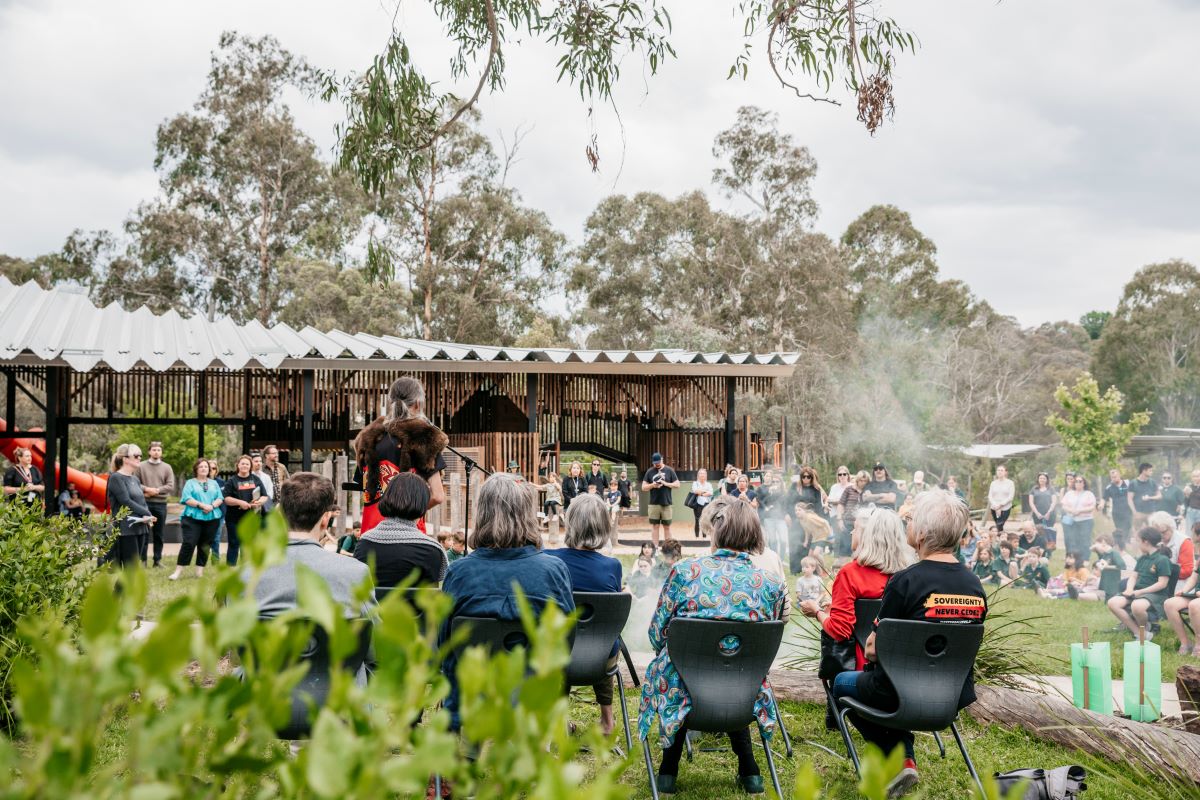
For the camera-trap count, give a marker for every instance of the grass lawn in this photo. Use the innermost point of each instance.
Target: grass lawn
(711, 775)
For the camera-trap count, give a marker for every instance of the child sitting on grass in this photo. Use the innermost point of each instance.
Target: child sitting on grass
(641, 579)
(1005, 565)
(1035, 573)
(455, 544)
(1076, 581)
(986, 569)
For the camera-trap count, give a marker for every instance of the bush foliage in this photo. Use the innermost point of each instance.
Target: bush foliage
(44, 567)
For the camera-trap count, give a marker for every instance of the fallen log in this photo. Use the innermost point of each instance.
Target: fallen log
(1158, 750)
(1187, 686)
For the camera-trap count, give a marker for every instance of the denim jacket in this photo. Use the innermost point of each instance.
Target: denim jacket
(481, 585)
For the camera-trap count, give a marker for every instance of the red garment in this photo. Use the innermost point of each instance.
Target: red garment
(1187, 561)
(853, 581)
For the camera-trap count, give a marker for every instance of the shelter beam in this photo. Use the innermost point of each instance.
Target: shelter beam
(50, 478)
(309, 379)
(730, 420)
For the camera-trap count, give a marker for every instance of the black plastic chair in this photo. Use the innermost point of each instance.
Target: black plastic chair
(927, 664)
(497, 635)
(602, 617)
(865, 612)
(313, 688)
(723, 685)
(1110, 581)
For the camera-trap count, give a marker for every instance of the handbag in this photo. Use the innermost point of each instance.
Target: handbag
(1068, 519)
(690, 500)
(836, 657)
(1060, 783)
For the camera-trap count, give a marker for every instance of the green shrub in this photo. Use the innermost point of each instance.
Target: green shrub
(45, 566)
(111, 715)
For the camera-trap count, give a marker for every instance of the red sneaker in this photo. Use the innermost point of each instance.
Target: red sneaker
(905, 779)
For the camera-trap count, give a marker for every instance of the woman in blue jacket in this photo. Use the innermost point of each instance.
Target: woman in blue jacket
(202, 498)
(505, 547)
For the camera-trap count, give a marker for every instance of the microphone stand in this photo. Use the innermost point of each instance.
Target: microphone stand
(468, 465)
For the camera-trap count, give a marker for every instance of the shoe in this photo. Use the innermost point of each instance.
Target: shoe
(665, 783)
(905, 780)
(751, 784)
(157, 564)
(172, 577)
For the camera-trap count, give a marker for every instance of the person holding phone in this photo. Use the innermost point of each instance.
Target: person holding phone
(124, 496)
(659, 480)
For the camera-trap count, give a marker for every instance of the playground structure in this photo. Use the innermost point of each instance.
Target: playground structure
(92, 488)
(308, 390)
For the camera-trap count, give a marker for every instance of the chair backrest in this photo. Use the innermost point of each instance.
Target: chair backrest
(927, 663)
(313, 688)
(602, 617)
(411, 594)
(1174, 579)
(723, 683)
(865, 612)
(1110, 581)
(497, 635)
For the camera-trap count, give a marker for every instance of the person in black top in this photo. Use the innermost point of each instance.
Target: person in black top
(659, 480)
(1116, 501)
(625, 487)
(395, 545)
(574, 484)
(1172, 496)
(935, 589)
(1031, 537)
(1144, 495)
(244, 492)
(597, 478)
(23, 481)
(882, 490)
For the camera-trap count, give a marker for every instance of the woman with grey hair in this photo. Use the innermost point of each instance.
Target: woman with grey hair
(506, 548)
(935, 589)
(591, 571)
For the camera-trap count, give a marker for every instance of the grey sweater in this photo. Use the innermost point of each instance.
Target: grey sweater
(276, 590)
(157, 476)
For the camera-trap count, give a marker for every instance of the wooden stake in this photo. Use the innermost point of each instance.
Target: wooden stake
(1141, 669)
(1086, 694)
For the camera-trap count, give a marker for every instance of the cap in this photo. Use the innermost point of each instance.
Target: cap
(514, 464)
(656, 458)
(879, 465)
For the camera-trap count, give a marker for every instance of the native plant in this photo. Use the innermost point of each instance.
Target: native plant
(45, 566)
(162, 715)
(1090, 426)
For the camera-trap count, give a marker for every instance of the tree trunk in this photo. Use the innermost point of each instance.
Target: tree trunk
(427, 264)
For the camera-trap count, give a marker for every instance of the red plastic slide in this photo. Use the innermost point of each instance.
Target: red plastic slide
(92, 488)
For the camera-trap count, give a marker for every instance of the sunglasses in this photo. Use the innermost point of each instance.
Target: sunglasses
(134, 455)
(843, 474)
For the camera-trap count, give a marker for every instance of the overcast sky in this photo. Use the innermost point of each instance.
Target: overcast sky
(1050, 149)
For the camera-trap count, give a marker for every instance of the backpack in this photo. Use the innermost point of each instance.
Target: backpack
(1060, 783)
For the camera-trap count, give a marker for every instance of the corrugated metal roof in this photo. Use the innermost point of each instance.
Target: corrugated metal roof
(990, 451)
(61, 326)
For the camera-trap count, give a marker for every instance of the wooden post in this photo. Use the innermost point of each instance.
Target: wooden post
(1086, 696)
(341, 470)
(433, 520)
(455, 496)
(50, 462)
(730, 419)
(308, 379)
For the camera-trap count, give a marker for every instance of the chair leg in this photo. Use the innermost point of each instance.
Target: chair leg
(771, 764)
(970, 766)
(650, 769)
(437, 786)
(787, 740)
(937, 737)
(624, 711)
(839, 716)
(629, 663)
(687, 746)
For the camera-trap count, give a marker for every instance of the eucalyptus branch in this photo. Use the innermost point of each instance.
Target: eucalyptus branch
(781, 19)
(493, 49)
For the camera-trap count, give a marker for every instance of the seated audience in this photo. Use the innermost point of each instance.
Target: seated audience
(1076, 581)
(1030, 538)
(1179, 543)
(1005, 564)
(936, 588)
(397, 546)
(1109, 555)
(722, 585)
(454, 543)
(592, 571)
(1034, 570)
(308, 504)
(987, 569)
(1146, 590)
(669, 556)
(505, 548)
(1186, 600)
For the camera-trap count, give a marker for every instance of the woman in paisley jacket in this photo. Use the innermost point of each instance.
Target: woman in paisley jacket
(722, 585)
